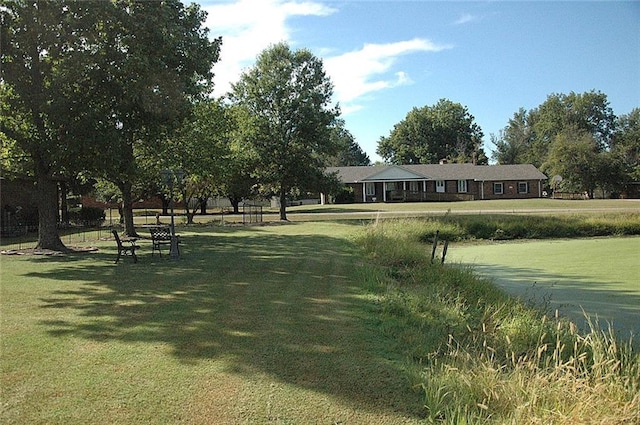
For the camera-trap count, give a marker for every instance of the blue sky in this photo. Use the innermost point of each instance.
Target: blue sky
(386, 57)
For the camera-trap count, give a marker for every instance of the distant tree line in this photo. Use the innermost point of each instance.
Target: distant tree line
(578, 138)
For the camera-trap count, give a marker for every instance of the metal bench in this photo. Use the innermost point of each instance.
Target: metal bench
(124, 249)
(161, 236)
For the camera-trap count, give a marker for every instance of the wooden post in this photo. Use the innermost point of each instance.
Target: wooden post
(435, 245)
(444, 250)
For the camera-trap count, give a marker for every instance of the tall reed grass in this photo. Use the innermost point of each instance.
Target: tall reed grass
(515, 226)
(480, 356)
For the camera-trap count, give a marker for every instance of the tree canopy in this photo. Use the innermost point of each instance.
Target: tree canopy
(626, 145)
(157, 62)
(201, 149)
(430, 134)
(529, 134)
(350, 153)
(285, 120)
(43, 48)
(576, 136)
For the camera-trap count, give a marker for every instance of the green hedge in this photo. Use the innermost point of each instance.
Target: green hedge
(87, 216)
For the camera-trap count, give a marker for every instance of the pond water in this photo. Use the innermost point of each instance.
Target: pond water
(599, 277)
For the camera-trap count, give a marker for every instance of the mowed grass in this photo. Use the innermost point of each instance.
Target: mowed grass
(503, 206)
(252, 325)
(596, 276)
(376, 210)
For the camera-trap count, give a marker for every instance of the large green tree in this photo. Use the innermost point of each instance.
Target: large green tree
(529, 134)
(574, 155)
(513, 143)
(430, 134)
(93, 86)
(285, 117)
(573, 135)
(154, 63)
(626, 146)
(200, 149)
(43, 97)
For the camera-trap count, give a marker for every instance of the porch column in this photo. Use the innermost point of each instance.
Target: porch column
(364, 192)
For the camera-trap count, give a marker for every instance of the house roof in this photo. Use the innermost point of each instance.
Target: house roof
(357, 174)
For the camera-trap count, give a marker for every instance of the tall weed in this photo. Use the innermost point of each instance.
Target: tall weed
(503, 226)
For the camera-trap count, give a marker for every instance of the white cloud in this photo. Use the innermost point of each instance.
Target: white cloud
(354, 73)
(465, 19)
(248, 27)
(468, 18)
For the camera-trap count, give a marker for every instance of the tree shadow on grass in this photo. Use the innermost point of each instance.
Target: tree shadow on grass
(283, 305)
(572, 295)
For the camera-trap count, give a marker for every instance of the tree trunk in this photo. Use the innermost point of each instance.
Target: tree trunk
(47, 199)
(191, 206)
(235, 203)
(203, 206)
(165, 205)
(64, 208)
(127, 210)
(283, 204)
(190, 216)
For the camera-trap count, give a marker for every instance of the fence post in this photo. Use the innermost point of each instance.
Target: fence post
(435, 245)
(444, 250)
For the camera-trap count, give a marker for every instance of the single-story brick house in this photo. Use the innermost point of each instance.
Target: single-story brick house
(441, 182)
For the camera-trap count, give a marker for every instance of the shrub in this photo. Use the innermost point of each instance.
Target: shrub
(345, 196)
(87, 216)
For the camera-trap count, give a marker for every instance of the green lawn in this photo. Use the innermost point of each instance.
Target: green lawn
(252, 325)
(544, 206)
(409, 209)
(601, 275)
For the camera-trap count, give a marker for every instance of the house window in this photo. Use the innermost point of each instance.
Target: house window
(498, 189)
(414, 186)
(393, 186)
(440, 186)
(462, 186)
(370, 189)
(523, 187)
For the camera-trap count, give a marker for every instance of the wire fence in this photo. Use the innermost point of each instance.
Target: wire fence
(251, 213)
(70, 237)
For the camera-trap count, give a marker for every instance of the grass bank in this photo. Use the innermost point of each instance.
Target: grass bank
(483, 357)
